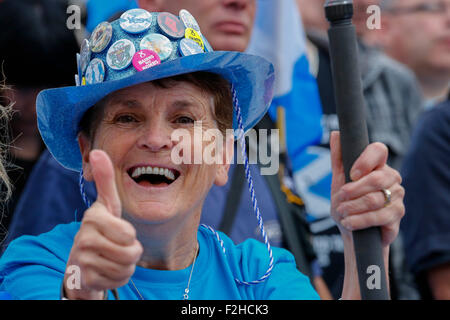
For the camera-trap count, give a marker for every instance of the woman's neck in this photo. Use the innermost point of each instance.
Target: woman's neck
(172, 246)
(177, 258)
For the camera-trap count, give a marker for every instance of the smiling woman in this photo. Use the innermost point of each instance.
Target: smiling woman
(126, 109)
(135, 130)
(143, 229)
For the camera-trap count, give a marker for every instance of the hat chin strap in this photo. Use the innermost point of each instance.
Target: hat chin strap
(84, 196)
(251, 189)
(255, 206)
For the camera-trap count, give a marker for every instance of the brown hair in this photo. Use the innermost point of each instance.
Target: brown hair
(210, 83)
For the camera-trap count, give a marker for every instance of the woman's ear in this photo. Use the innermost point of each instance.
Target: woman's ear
(227, 158)
(85, 148)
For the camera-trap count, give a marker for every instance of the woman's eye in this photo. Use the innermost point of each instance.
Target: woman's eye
(125, 119)
(184, 120)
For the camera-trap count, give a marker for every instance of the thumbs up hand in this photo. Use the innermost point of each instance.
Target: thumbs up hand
(105, 248)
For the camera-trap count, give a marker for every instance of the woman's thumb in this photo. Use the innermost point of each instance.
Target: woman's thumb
(103, 173)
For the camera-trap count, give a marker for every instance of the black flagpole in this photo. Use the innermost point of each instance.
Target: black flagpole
(350, 106)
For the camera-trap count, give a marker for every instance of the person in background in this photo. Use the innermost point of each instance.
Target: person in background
(367, 19)
(393, 103)
(417, 34)
(426, 178)
(34, 49)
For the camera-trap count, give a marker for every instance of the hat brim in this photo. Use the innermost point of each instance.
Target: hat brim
(60, 110)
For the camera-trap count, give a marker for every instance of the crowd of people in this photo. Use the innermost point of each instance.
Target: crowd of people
(72, 156)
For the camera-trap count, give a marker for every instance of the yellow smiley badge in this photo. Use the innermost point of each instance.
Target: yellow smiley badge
(194, 35)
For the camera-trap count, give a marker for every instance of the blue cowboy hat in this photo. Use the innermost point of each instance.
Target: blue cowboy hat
(60, 110)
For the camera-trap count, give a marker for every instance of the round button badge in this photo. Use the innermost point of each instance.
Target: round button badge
(136, 21)
(189, 20)
(80, 74)
(145, 59)
(194, 35)
(208, 47)
(158, 43)
(100, 37)
(95, 72)
(120, 54)
(85, 56)
(170, 25)
(189, 47)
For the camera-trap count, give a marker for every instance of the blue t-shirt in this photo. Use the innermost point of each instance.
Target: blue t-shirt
(33, 268)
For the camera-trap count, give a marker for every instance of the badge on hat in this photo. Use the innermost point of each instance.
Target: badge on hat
(85, 55)
(170, 25)
(208, 47)
(79, 73)
(100, 37)
(120, 54)
(158, 43)
(144, 40)
(195, 36)
(189, 47)
(145, 59)
(136, 21)
(188, 20)
(95, 72)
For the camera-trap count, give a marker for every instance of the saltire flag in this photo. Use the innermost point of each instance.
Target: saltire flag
(279, 37)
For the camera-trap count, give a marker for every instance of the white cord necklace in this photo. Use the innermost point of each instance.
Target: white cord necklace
(186, 291)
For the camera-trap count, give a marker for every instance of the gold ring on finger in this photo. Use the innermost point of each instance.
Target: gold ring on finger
(387, 196)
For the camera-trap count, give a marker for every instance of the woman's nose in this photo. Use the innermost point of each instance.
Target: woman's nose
(155, 136)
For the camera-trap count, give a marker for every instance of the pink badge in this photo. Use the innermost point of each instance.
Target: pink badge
(145, 59)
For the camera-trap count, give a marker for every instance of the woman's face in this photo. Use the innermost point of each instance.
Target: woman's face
(136, 130)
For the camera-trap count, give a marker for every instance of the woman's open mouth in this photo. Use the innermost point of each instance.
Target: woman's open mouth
(147, 176)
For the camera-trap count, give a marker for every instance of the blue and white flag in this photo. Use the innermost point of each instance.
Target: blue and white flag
(279, 37)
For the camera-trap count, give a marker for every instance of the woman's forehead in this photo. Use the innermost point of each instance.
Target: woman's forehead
(180, 95)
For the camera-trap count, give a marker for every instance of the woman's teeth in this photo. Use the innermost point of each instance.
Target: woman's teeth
(137, 172)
